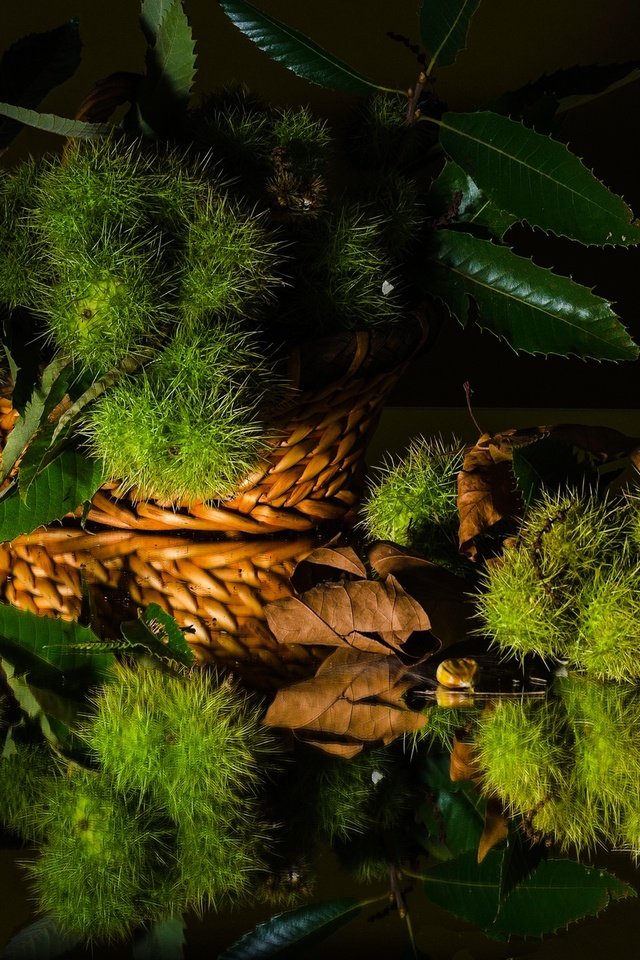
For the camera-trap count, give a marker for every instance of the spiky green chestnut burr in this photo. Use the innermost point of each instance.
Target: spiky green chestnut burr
(188, 427)
(352, 272)
(108, 305)
(521, 753)
(26, 771)
(607, 643)
(346, 793)
(230, 261)
(604, 719)
(99, 862)
(413, 501)
(517, 610)
(571, 534)
(195, 744)
(298, 160)
(99, 185)
(18, 243)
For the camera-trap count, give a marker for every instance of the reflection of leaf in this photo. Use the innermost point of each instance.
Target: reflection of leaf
(495, 828)
(464, 763)
(354, 694)
(41, 940)
(294, 929)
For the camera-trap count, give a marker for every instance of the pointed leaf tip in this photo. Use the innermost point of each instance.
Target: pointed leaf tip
(294, 50)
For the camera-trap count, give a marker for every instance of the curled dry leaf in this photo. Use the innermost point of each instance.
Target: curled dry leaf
(496, 827)
(442, 593)
(357, 693)
(487, 492)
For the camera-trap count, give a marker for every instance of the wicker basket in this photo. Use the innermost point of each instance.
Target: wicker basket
(215, 590)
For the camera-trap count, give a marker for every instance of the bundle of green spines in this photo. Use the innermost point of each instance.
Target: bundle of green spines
(569, 764)
(569, 588)
(188, 270)
(166, 815)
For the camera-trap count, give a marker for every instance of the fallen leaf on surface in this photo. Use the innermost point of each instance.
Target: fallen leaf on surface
(464, 764)
(496, 828)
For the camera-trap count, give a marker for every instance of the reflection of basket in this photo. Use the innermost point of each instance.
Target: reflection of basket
(215, 590)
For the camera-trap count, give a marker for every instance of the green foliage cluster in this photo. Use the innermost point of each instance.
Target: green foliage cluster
(413, 501)
(569, 764)
(570, 586)
(165, 818)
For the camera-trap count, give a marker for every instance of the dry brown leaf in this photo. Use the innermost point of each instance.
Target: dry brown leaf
(486, 488)
(369, 722)
(291, 621)
(326, 562)
(496, 827)
(443, 594)
(336, 748)
(464, 764)
(367, 606)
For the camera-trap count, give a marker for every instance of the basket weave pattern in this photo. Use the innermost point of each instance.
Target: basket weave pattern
(216, 591)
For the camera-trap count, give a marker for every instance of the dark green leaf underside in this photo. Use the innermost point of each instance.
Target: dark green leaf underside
(536, 179)
(294, 50)
(444, 25)
(53, 124)
(530, 307)
(295, 928)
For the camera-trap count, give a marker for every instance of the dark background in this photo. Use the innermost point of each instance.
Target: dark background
(509, 44)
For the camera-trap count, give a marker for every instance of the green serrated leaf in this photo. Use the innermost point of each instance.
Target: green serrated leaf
(453, 193)
(296, 928)
(536, 179)
(559, 892)
(444, 25)
(164, 940)
(61, 126)
(466, 888)
(295, 51)
(549, 464)
(164, 93)
(46, 395)
(156, 632)
(40, 940)
(152, 14)
(43, 648)
(33, 66)
(61, 487)
(530, 307)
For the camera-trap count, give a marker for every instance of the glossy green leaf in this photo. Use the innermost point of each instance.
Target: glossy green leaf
(296, 928)
(46, 395)
(559, 892)
(536, 179)
(294, 50)
(466, 888)
(455, 197)
(40, 940)
(530, 307)
(164, 93)
(53, 124)
(164, 940)
(44, 648)
(444, 25)
(61, 487)
(33, 66)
